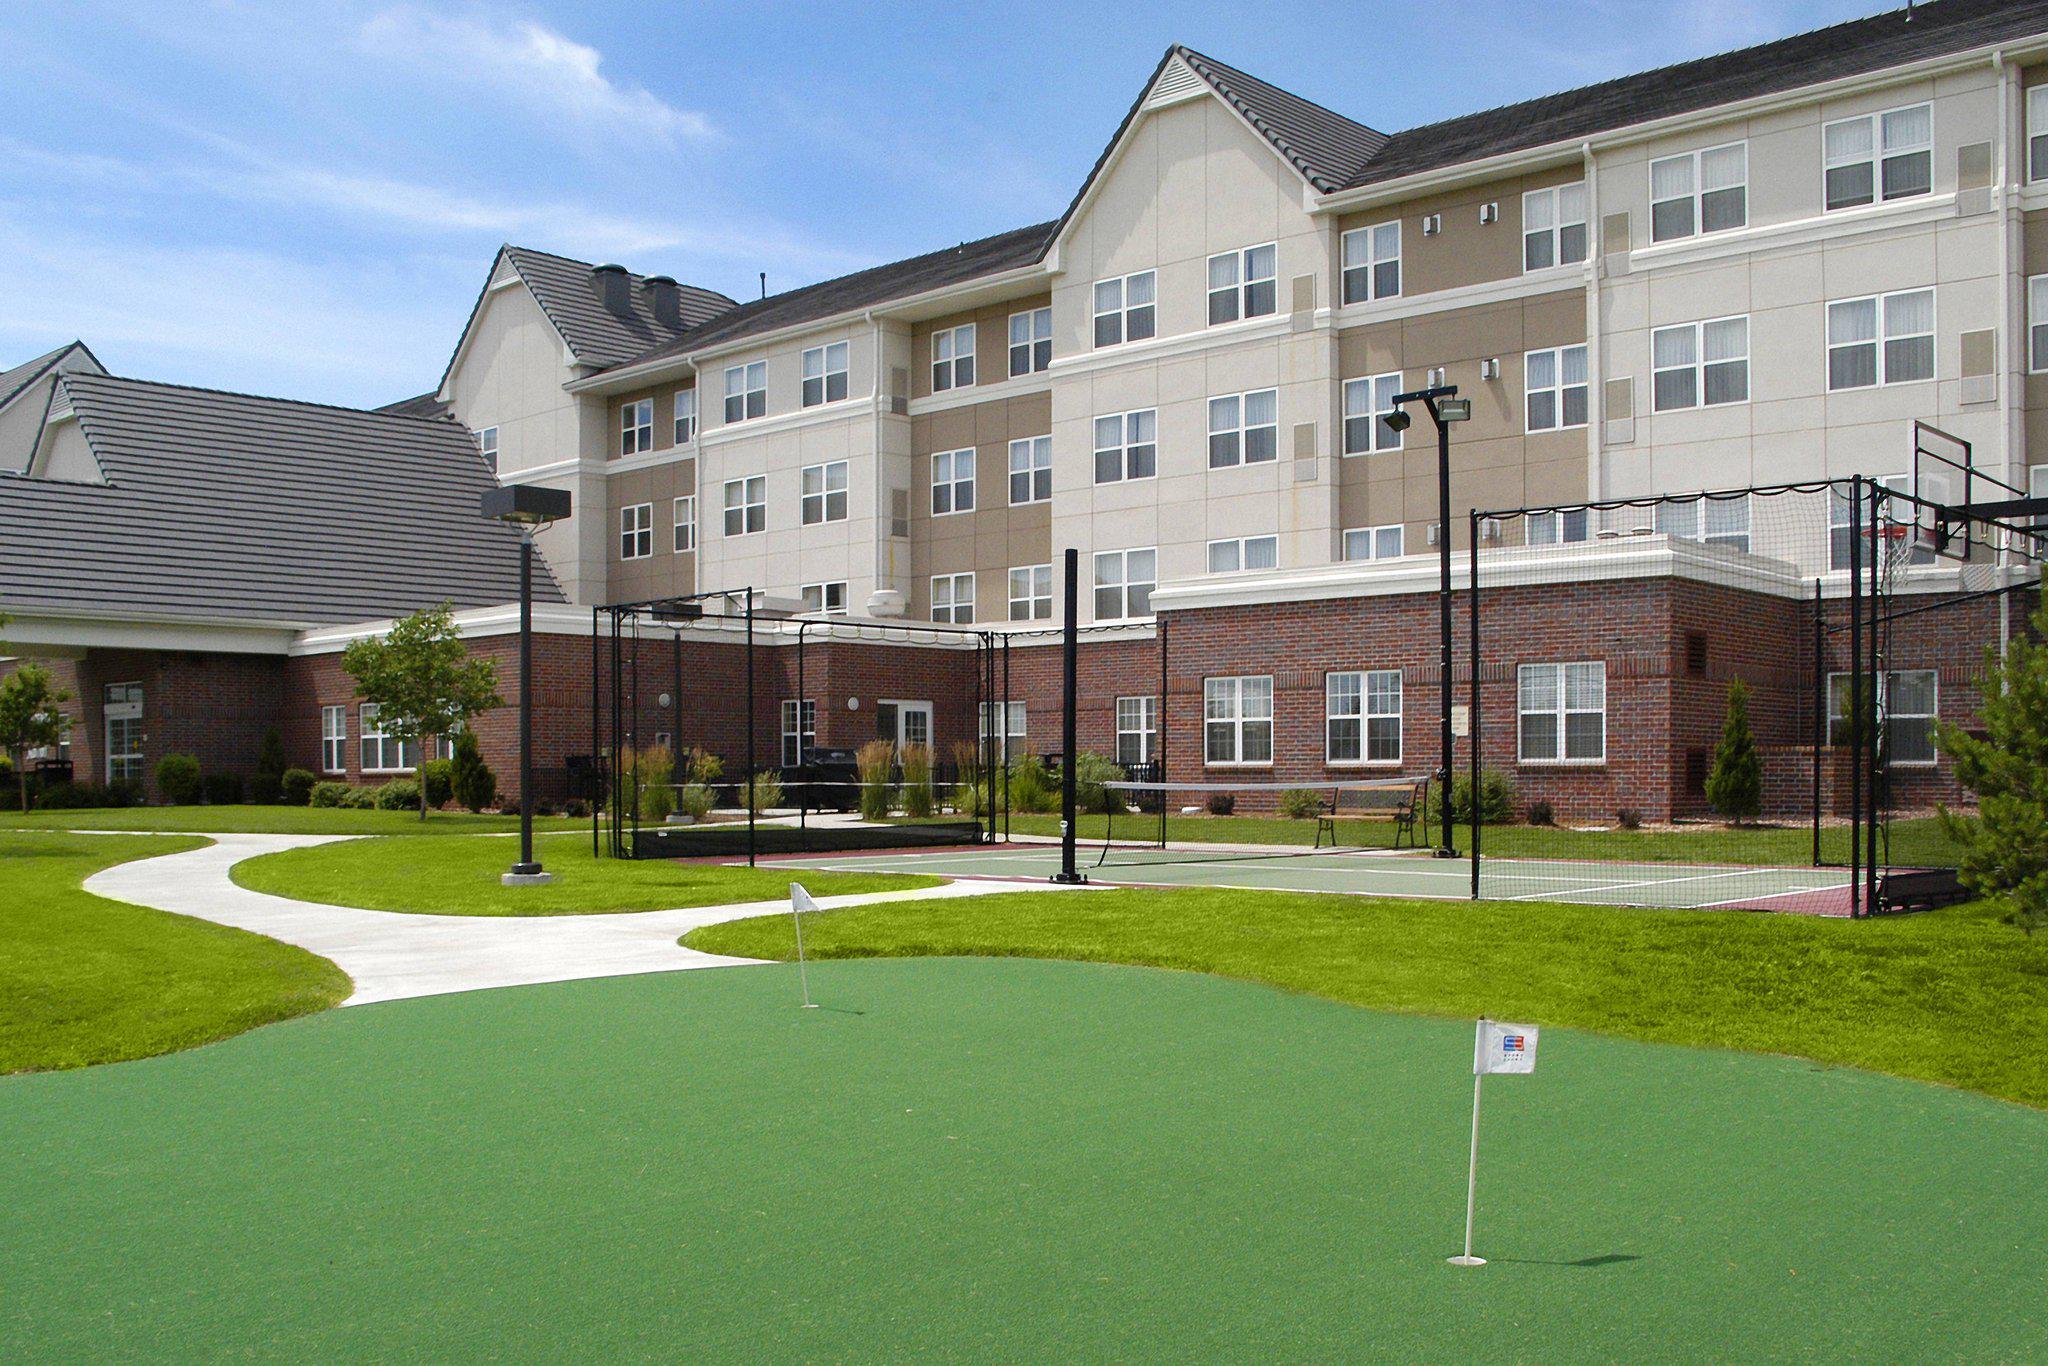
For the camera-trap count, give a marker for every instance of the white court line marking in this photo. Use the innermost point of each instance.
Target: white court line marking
(1656, 882)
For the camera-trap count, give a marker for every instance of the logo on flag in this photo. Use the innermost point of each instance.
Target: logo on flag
(1507, 1048)
(1512, 1043)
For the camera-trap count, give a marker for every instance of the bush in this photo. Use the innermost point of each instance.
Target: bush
(1222, 803)
(1496, 798)
(694, 800)
(1628, 818)
(764, 793)
(655, 768)
(400, 794)
(876, 762)
(177, 780)
(1540, 813)
(1091, 771)
(328, 796)
(1299, 804)
(471, 781)
(223, 789)
(1735, 787)
(439, 777)
(361, 798)
(970, 786)
(702, 767)
(296, 786)
(917, 782)
(1030, 787)
(266, 789)
(84, 796)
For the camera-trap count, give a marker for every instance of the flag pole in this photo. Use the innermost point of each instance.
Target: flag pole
(797, 898)
(1471, 1179)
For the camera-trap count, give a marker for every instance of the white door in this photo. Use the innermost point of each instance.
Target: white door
(121, 707)
(904, 723)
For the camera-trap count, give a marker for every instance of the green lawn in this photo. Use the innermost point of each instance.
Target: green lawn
(85, 980)
(460, 877)
(1953, 997)
(276, 820)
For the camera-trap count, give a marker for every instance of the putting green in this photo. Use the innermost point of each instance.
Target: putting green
(996, 1158)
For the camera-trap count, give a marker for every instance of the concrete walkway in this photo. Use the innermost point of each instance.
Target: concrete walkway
(393, 955)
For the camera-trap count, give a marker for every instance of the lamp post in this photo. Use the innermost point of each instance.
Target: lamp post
(1444, 408)
(528, 507)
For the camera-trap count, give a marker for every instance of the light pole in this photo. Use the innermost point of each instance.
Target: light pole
(528, 507)
(1444, 408)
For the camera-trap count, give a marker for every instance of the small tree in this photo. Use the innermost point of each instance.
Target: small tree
(2005, 846)
(422, 680)
(266, 786)
(474, 782)
(29, 718)
(1735, 787)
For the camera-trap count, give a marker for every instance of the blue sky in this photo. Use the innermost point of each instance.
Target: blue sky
(303, 199)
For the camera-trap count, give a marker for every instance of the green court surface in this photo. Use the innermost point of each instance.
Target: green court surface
(1005, 1159)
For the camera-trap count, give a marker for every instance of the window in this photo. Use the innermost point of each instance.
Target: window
(1124, 308)
(799, 730)
(1372, 263)
(746, 391)
(1879, 156)
(822, 493)
(1137, 730)
(1011, 737)
(2037, 318)
(825, 599)
(686, 415)
(1362, 717)
(824, 375)
(1907, 706)
(1124, 580)
(1554, 226)
(487, 447)
(1242, 284)
(1559, 528)
(2037, 133)
(636, 426)
(746, 505)
(1030, 470)
(953, 598)
(1888, 339)
(1555, 387)
(1247, 552)
(686, 523)
(1839, 529)
(1699, 192)
(333, 739)
(952, 482)
(1030, 342)
(1373, 542)
(121, 710)
(1697, 364)
(1031, 592)
(383, 753)
(1564, 713)
(1244, 429)
(1716, 521)
(1237, 720)
(1366, 401)
(636, 531)
(1126, 446)
(953, 358)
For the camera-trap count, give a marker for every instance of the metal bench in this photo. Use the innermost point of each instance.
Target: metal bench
(1396, 803)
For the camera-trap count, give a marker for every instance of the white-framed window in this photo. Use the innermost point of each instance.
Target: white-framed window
(487, 447)
(334, 739)
(1244, 284)
(1031, 592)
(636, 531)
(1030, 342)
(952, 358)
(1367, 400)
(1127, 446)
(1124, 580)
(685, 513)
(953, 598)
(952, 482)
(822, 493)
(1137, 730)
(825, 599)
(1715, 521)
(121, 714)
(1124, 308)
(636, 426)
(1699, 364)
(799, 729)
(1244, 429)
(686, 416)
(746, 505)
(1373, 542)
(1840, 530)
(1010, 738)
(383, 753)
(746, 391)
(1030, 470)
(1555, 391)
(2037, 132)
(1884, 339)
(1554, 226)
(1233, 555)
(1875, 157)
(1563, 713)
(1698, 192)
(1362, 717)
(1372, 262)
(2037, 317)
(824, 374)
(1908, 701)
(1237, 720)
(1560, 528)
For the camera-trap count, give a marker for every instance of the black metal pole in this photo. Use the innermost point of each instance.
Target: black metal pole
(1449, 847)
(1159, 729)
(1006, 762)
(803, 804)
(1817, 698)
(526, 867)
(750, 728)
(1857, 721)
(1879, 511)
(1070, 648)
(594, 722)
(1472, 717)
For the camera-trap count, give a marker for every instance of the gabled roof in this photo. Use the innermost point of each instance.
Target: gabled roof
(13, 381)
(565, 291)
(1327, 148)
(233, 508)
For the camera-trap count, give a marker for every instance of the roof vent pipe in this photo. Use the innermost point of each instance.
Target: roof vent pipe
(613, 290)
(667, 301)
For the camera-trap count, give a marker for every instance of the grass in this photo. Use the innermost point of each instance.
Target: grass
(276, 820)
(460, 877)
(85, 980)
(1943, 997)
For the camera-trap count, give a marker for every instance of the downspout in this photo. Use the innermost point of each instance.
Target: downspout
(1596, 380)
(875, 399)
(2012, 300)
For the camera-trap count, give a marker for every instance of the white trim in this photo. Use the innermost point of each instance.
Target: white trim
(1893, 215)
(856, 406)
(70, 634)
(1529, 285)
(1875, 161)
(1036, 383)
(953, 481)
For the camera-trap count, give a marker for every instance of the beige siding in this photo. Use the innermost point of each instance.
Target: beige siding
(994, 537)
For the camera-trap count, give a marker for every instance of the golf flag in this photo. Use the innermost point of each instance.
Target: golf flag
(1503, 1048)
(799, 902)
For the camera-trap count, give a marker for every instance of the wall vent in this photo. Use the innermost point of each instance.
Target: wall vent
(1304, 294)
(1618, 398)
(1432, 224)
(1489, 212)
(1304, 452)
(899, 512)
(1973, 179)
(1980, 365)
(1178, 82)
(1614, 238)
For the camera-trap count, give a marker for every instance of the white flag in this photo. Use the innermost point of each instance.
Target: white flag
(1503, 1048)
(799, 899)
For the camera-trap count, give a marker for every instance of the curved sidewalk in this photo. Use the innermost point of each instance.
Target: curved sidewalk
(392, 955)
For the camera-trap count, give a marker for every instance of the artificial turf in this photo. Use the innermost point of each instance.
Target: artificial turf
(461, 877)
(276, 820)
(997, 1159)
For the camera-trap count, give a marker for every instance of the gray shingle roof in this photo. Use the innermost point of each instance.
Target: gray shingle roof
(595, 334)
(419, 405)
(1324, 146)
(21, 376)
(231, 508)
